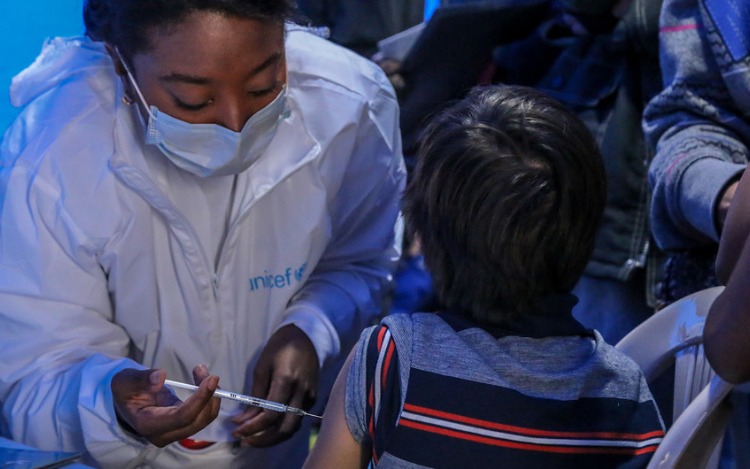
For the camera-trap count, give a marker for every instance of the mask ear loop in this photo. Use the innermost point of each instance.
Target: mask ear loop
(135, 85)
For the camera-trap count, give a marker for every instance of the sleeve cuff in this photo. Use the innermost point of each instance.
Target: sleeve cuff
(104, 435)
(700, 189)
(318, 328)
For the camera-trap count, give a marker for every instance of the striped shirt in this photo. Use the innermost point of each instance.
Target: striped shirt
(429, 390)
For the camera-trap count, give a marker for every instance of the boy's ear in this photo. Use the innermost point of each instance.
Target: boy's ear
(116, 60)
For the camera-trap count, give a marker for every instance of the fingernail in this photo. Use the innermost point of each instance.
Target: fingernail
(202, 367)
(213, 384)
(155, 377)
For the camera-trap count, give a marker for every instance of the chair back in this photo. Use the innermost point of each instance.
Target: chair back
(674, 336)
(692, 440)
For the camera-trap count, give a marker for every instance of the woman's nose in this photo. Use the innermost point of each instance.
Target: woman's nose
(234, 118)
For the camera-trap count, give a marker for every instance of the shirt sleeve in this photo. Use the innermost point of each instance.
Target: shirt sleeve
(58, 337)
(373, 391)
(697, 129)
(345, 292)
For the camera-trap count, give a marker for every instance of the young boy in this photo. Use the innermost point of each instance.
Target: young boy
(506, 198)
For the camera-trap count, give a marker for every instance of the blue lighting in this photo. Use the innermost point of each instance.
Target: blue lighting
(429, 8)
(24, 25)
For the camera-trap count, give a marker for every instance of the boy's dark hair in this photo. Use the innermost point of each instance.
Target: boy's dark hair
(506, 197)
(127, 23)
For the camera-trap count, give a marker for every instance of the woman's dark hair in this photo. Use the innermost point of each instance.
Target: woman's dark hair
(126, 23)
(506, 196)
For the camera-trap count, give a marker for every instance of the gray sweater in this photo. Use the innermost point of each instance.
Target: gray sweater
(699, 122)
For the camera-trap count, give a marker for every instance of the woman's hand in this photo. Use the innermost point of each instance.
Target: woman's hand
(286, 372)
(153, 412)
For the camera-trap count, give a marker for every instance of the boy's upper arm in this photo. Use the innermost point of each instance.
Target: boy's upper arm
(335, 446)
(364, 404)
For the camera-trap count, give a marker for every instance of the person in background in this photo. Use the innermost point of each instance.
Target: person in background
(504, 372)
(726, 336)
(700, 127)
(194, 190)
(726, 333)
(606, 71)
(359, 25)
(725, 136)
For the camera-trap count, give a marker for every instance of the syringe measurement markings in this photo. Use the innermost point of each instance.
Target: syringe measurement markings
(253, 401)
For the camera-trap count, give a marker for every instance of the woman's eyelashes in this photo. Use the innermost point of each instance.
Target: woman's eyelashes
(197, 107)
(265, 92)
(191, 107)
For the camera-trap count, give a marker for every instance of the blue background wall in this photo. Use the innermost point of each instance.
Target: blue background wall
(24, 25)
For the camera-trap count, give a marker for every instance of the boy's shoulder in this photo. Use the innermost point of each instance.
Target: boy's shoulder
(543, 386)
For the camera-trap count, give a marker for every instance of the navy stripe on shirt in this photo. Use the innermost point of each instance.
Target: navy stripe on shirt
(501, 424)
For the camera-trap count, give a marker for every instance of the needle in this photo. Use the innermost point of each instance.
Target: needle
(249, 400)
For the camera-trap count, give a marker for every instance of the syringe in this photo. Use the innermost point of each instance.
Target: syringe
(249, 400)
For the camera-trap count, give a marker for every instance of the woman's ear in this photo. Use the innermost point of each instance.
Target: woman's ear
(121, 72)
(116, 60)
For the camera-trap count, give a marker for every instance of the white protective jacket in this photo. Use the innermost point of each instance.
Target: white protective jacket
(101, 267)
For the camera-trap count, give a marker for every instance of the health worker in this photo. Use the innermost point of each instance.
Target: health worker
(201, 191)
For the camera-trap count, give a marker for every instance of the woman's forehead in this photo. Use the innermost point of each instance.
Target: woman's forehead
(209, 42)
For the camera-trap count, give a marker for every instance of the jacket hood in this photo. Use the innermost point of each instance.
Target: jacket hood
(60, 58)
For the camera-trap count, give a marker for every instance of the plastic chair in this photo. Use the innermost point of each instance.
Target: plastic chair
(692, 440)
(674, 336)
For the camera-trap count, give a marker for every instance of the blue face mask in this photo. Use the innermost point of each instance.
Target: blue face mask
(210, 149)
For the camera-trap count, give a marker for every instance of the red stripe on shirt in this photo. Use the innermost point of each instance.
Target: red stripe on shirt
(387, 363)
(530, 431)
(526, 446)
(678, 28)
(371, 403)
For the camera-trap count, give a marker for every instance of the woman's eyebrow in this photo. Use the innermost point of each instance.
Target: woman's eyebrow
(199, 80)
(273, 59)
(181, 77)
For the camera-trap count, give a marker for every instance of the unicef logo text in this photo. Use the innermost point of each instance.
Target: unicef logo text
(277, 280)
